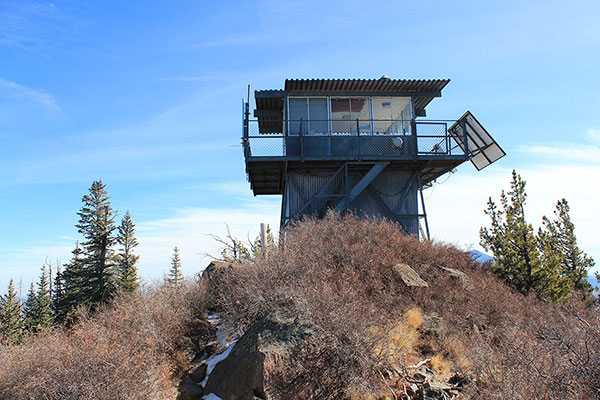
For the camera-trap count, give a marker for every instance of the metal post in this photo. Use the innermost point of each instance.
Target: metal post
(263, 238)
(414, 137)
(463, 124)
(245, 140)
(423, 206)
(358, 138)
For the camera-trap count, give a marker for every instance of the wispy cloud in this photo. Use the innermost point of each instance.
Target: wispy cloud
(594, 135)
(35, 25)
(568, 152)
(17, 91)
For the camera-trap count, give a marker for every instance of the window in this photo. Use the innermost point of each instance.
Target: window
(338, 115)
(309, 112)
(391, 115)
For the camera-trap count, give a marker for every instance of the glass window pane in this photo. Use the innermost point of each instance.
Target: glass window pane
(359, 109)
(340, 116)
(317, 110)
(298, 111)
(391, 115)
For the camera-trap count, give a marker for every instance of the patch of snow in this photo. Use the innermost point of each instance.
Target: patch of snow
(213, 360)
(211, 396)
(223, 328)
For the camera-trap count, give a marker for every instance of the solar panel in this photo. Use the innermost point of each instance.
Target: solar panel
(481, 148)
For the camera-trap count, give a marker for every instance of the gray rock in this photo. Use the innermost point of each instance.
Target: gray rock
(432, 322)
(213, 268)
(409, 276)
(189, 390)
(240, 375)
(464, 280)
(198, 372)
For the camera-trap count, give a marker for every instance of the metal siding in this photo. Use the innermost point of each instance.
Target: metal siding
(388, 185)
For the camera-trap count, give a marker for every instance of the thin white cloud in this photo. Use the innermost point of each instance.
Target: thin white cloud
(17, 91)
(34, 26)
(573, 152)
(594, 135)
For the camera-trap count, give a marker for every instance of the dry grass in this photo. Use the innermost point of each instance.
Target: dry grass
(338, 273)
(129, 350)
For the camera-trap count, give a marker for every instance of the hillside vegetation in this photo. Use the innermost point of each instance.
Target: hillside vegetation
(343, 276)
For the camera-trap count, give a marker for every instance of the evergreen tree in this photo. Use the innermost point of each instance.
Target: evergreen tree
(96, 224)
(58, 298)
(126, 260)
(574, 263)
(75, 285)
(38, 310)
(175, 277)
(515, 246)
(29, 323)
(44, 300)
(11, 316)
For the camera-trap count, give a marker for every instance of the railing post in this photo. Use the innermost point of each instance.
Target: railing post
(358, 139)
(245, 140)
(463, 125)
(413, 128)
(448, 148)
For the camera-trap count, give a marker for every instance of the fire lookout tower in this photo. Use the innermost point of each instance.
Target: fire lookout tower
(358, 145)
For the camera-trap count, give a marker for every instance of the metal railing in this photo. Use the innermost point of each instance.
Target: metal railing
(345, 139)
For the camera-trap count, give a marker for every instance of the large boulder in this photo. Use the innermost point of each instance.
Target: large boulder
(240, 375)
(409, 276)
(460, 276)
(215, 267)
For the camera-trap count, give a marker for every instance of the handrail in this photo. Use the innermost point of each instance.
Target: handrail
(324, 138)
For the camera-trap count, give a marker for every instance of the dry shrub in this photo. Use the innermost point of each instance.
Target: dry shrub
(337, 272)
(414, 318)
(126, 350)
(440, 365)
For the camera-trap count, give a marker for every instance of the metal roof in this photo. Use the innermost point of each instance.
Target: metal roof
(383, 84)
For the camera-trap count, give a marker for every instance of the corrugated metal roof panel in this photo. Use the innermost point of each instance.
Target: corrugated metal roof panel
(415, 86)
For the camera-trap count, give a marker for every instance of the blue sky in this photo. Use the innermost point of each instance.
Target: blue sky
(146, 95)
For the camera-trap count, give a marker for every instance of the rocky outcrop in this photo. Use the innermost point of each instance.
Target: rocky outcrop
(240, 376)
(409, 276)
(214, 268)
(461, 277)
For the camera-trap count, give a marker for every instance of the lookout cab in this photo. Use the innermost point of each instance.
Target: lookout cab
(359, 145)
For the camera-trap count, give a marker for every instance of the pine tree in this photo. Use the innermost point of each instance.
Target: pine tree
(516, 248)
(59, 308)
(11, 316)
(126, 260)
(574, 262)
(175, 277)
(29, 320)
(38, 310)
(75, 285)
(96, 224)
(44, 300)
